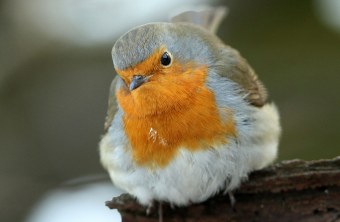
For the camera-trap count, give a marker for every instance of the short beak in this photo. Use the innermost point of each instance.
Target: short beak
(137, 81)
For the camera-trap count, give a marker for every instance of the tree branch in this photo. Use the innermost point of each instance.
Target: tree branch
(294, 190)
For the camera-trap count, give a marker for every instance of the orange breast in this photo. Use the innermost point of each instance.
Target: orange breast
(174, 110)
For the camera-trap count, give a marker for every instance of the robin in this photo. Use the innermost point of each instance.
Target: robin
(188, 116)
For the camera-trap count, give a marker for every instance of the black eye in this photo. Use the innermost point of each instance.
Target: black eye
(166, 59)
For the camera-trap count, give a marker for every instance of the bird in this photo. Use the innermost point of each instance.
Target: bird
(187, 115)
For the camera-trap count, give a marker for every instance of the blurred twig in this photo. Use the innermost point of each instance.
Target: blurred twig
(294, 190)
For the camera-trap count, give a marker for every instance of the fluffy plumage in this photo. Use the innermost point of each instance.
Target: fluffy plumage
(194, 128)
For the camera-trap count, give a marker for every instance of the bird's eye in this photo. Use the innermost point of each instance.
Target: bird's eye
(166, 59)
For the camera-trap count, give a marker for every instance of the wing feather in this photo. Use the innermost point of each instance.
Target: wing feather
(210, 18)
(233, 66)
(112, 105)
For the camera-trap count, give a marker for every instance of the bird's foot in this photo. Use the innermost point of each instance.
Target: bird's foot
(232, 199)
(149, 209)
(160, 211)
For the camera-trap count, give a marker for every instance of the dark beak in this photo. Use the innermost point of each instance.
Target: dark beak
(137, 81)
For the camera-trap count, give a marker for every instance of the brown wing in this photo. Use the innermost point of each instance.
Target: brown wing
(112, 105)
(237, 69)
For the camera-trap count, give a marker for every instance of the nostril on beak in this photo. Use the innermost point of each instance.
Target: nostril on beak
(137, 81)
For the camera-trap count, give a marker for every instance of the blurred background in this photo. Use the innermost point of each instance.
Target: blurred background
(56, 68)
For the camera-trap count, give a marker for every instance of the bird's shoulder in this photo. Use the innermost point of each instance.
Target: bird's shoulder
(233, 66)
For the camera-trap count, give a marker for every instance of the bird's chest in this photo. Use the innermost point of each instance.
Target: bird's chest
(155, 140)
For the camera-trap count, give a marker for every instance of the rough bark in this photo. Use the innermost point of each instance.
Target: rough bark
(294, 190)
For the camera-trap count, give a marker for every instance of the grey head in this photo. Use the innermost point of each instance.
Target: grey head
(186, 42)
